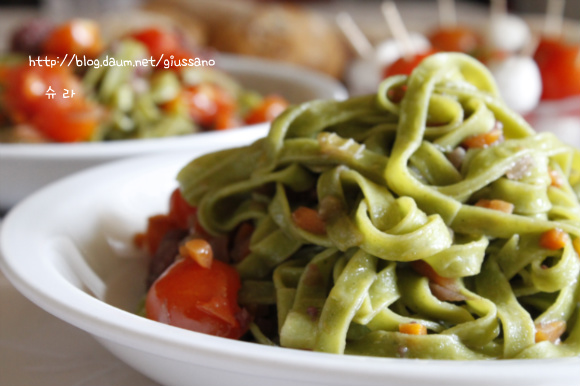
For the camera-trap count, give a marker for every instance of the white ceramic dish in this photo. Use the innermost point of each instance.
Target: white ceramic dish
(26, 167)
(67, 248)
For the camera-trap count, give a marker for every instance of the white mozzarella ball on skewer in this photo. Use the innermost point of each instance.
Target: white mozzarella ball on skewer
(390, 50)
(363, 76)
(508, 33)
(519, 82)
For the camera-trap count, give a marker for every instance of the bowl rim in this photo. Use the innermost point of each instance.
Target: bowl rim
(128, 147)
(46, 287)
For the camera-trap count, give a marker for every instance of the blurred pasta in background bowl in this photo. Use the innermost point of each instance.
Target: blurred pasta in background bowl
(70, 100)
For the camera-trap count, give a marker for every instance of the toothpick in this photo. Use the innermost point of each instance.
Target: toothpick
(398, 30)
(530, 48)
(447, 13)
(354, 35)
(554, 17)
(498, 8)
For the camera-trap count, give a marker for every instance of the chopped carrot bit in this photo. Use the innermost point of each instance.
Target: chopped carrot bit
(502, 206)
(413, 328)
(483, 140)
(550, 331)
(309, 220)
(557, 180)
(199, 250)
(576, 244)
(554, 239)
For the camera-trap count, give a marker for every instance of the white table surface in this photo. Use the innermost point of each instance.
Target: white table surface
(38, 349)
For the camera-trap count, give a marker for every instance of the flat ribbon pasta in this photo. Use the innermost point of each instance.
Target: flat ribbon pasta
(382, 176)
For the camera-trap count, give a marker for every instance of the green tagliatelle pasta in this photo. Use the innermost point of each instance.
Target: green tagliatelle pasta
(393, 187)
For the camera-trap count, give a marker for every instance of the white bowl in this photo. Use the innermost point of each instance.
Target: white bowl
(68, 249)
(26, 167)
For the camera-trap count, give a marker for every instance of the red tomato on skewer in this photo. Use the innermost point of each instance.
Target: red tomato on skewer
(455, 39)
(403, 66)
(559, 65)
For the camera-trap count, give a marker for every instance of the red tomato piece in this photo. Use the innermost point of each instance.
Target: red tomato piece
(26, 89)
(78, 36)
(160, 43)
(180, 211)
(157, 228)
(241, 243)
(67, 124)
(455, 39)
(58, 118)
(165, 45)
(270, 108)
(403, 66)
(227, 119)
(207, 104)
(177, 59)
(198, 299)
(201, 104)
(559, 65)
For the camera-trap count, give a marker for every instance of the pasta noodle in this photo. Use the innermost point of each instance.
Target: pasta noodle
(404, 241)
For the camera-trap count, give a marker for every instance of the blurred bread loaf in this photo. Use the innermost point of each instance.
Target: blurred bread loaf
(273, 31)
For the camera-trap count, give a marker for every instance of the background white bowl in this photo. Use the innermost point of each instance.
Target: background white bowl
(26, 167)
(68, 249)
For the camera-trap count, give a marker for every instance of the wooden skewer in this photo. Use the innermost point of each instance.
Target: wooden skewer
(447, 13)
(554, 17)
(398, 30)
(498, 8)
(530, 48)
(355, 36)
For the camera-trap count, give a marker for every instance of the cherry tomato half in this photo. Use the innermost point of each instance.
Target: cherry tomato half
(67, 123)
(198, 299)
(179, 210)
(559, 65)
(78, 36)
(159, 42)
(57, 117)
(207, 102)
